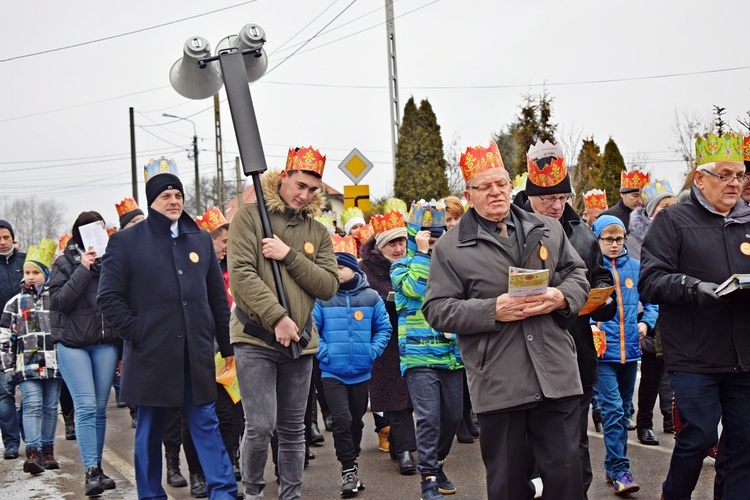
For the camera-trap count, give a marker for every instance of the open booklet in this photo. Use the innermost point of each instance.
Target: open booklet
(525, 282)
(597, 297)
(735, 282)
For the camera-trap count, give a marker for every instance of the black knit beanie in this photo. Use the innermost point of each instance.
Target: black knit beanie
(160, 183)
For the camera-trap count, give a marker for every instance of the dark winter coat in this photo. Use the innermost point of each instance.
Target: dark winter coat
(353, 329)
(388, 391)
(687, 243)
(165, 297)
(75, 317)
(639, 224)
(583, 240)
(508, 364)
(622, 212)
(11, 275)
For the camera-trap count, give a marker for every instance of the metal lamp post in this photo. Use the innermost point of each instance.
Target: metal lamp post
(195, 161)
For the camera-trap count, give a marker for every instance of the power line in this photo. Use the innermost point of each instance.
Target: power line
(112, 37)
(303, 28)
(123, 157)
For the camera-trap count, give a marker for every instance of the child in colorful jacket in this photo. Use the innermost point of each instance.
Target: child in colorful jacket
(25, 321)
(353, 330)
(618, 366)
(429, 360)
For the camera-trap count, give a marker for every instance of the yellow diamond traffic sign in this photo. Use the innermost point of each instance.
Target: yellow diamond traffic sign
(355, 166)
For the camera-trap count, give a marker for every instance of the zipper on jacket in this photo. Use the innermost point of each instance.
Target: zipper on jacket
(621, 309)
(484, 355)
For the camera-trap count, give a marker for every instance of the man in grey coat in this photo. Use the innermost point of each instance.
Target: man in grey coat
(520, 360)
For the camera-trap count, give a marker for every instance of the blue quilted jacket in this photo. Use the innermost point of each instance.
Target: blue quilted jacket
(354, 329)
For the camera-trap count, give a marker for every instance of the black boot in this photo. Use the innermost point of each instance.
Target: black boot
(406, 466)
(107, 482)
(198, 488)
(328, 421)
(596, 416)
(315, 435)
(174, 476)
(462, 433)
(70, 425)
(92, 484)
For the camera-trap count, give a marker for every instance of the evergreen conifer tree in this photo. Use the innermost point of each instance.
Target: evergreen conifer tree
(587, 167)
(610, 167)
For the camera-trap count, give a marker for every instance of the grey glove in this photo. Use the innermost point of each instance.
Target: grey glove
(705, 295)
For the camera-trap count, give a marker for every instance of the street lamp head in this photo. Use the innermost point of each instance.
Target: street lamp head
(250, 38)
(192, 80)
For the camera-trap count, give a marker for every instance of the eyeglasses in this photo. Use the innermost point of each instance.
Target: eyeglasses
(608, 241)
(486, 187)
(727, 178)
(549, 200)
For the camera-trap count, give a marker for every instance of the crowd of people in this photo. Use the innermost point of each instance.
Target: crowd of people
(417, 314)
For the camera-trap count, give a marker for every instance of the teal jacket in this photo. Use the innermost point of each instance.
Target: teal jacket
(419, 344)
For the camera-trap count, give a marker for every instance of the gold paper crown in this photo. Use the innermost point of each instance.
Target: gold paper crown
(596, 198)
(63, 241)
(211, 219)
(43, 253)
(364, 233)
(159, 166)
(306, 159)
(395, 204)
(635, 179)
(551, 174)
(126, 206)
(519, 181)
(389, 220)
(746, 148)
(479, 159)
(344, 244)
(727, 147)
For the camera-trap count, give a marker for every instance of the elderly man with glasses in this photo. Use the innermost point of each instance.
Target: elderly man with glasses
(688, 251)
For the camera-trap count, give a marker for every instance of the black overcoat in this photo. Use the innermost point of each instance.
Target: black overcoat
(165, 297)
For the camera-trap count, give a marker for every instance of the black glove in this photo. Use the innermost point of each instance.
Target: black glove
(606, 311)
(705, 295)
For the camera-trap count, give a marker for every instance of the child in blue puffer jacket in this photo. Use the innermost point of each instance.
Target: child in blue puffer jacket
(353, 329)
(618, 366)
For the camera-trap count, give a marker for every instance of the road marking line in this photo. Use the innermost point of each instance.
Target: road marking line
(632, 442)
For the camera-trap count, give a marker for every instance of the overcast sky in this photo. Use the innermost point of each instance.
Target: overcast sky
(64, 121)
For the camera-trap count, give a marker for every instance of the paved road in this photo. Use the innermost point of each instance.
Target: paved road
(377, 471)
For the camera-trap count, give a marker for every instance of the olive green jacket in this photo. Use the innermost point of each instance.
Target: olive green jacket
(308, 271)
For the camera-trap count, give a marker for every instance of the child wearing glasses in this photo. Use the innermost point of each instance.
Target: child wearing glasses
(618, 365)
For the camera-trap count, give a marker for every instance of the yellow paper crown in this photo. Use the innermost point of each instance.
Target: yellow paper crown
(550, 174)
(211, 219)
(397, 205)
(635, 179)
(344, 244)
(306, 159)
(389, 220)
(711, 147)
(43, 253)
(326, 218)
(596, 198)
(479, 159)
(126, 206)
(350, 213)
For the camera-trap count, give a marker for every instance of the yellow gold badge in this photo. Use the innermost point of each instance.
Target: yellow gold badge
(309, 247)
(194, 257)
(543, 254)
(359, 315)
(745, 248)
(629, 283)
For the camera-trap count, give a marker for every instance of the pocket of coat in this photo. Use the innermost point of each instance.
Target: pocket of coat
(482, 348)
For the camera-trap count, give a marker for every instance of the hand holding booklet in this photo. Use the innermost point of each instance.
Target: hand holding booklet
(735, 282)
(525, 282)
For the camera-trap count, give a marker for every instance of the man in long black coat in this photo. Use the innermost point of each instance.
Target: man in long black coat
(161, 289)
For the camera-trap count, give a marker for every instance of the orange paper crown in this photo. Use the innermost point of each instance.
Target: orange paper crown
(111, 230)
(126, 206)
(344, 244)
(211, 219)
(389, 220)
(635, 179)
(363, 233)
(306, 159)
(553, 172)
(746, 148)
(63, 241)
(478, 159)
(596, 198)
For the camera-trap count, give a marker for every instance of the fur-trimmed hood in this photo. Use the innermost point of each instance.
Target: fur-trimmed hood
(270, 182)
(639, 224)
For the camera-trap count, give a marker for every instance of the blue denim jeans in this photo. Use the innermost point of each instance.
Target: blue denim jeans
(274, 391)
(88, 372)
(701, 401)
(615, 388)
(437, 397)
(8, 416)
(40, 399)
